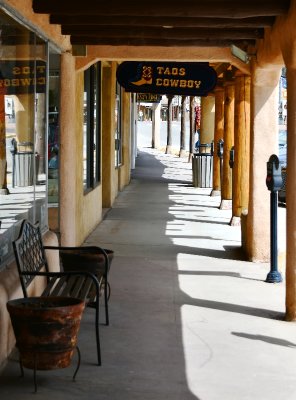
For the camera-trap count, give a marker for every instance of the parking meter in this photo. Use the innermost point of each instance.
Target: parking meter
(231, 157)
(212, 147)
(220, 148)
(274, 180)
(13, 147)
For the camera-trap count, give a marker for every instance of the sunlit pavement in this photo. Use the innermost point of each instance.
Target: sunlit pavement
(189, 318)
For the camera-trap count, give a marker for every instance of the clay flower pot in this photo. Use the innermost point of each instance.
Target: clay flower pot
(46, 330)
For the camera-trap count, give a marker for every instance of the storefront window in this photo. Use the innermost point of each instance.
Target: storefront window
(53, 128)
(23, 127)
(92, 129)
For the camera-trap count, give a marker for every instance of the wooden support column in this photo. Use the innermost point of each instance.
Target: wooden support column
(68, 153)
(207, 120)
(169, 125)
(183, 127)
(156, 125)
(226, 189)
(3, 160)
(192, 128)
(263, 143)
(219, 133)
(109, 184)
(290, 198)
(241, 167)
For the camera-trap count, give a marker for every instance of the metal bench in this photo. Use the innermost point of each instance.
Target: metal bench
(80, 282)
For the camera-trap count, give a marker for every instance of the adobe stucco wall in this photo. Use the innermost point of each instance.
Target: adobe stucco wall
(24, 9)
(125, 168)
(88, 205)
(109, 173)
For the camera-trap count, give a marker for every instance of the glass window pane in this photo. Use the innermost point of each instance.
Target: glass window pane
(53, 128)
(23, 104)
(91, 131)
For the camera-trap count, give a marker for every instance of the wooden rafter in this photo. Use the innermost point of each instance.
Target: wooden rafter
(164, 33)
(94, 40)
(217, 23)
(172, 8)
(177, 22)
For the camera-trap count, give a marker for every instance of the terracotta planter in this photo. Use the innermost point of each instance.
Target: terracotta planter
(46, 330)
(91, 261)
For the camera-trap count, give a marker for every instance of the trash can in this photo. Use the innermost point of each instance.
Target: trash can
(23, 164)
(202, 167)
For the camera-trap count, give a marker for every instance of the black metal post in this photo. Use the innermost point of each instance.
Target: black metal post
(274, 276)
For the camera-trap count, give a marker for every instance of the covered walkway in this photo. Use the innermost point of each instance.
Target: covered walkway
(189, 318)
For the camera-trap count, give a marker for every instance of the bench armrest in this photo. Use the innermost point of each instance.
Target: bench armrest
(95, 258)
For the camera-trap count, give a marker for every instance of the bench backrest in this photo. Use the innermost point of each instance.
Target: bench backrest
(29, 253)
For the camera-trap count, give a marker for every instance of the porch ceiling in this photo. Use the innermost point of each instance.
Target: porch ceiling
(174, 23)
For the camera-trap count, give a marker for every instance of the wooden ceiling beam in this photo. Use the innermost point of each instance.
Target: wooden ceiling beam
(170, 33)
(177, 22)
(92, 40)
(168, 8)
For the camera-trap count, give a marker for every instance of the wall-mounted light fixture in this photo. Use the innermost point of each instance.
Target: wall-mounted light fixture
(240, 54)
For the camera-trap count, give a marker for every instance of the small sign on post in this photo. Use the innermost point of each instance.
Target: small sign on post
(148, 98)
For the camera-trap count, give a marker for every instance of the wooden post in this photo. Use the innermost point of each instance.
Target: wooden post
(219, 133)
(3, 161)
(156, 125)
(290, 198)
(183, 127)
(226, 189)
(192, 128)
(207, 120)
(241, 167)
(169, 125)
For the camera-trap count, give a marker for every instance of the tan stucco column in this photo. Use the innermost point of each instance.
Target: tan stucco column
(169, 125)
(125, 168)
(290, 197)
(191, 128)
(156, 125)
(68, 143)
(240, 188)
(109, 185)
(207, 120)
(219, 132)
(182, 151)
(264, 139)
(226, 189)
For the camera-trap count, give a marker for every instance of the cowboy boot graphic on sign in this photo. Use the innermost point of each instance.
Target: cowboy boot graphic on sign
(144, 77)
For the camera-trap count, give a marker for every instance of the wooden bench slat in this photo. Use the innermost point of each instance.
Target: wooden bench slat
(50, 285)
(58, 289)
(88, 287)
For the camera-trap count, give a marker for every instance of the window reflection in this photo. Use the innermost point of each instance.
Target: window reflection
(23, 155)
(53, 128)
(91, 126)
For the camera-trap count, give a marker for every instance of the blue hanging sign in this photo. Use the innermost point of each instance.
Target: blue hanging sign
(187, 79)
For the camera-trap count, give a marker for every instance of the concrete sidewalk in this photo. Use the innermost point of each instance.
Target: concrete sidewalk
(189, 318)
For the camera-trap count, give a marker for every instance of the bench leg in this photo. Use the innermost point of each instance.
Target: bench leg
(97, 331)
(78, 364)
(106, 298)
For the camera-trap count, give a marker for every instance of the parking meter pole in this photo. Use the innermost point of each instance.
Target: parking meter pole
(13, 150)
(273, 183)
(220, 149)
(274, 276)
